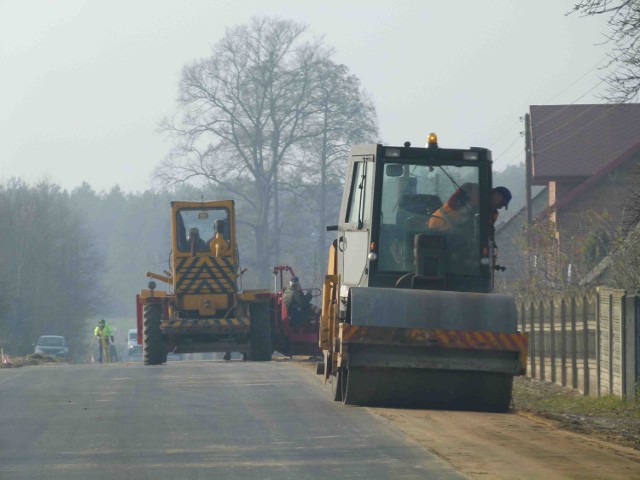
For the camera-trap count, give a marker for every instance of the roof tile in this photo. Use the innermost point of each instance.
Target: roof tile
(578, 140)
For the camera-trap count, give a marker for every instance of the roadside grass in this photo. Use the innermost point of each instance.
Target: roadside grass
(596, 406)
(608, 418)
(542, 397)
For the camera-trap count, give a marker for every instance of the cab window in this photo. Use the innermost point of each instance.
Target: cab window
(203, 224)
(412, 201)
(359, 210)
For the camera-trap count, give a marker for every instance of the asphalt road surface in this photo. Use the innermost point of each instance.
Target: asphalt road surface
(192, 420)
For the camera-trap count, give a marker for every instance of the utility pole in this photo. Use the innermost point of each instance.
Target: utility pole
(528, 165)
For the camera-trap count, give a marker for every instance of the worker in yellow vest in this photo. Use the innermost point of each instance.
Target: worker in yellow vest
(104, 333)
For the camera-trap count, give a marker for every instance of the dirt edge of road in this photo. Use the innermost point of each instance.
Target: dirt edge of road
(608, 419)
(542, 436)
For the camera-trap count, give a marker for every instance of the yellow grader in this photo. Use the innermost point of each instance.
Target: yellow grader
(408, 314)
(205, 308)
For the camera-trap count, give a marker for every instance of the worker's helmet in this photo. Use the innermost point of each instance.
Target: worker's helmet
(294, 281)
(101, 322)
(506, 195)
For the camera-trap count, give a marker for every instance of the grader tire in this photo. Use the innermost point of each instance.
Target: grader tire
(261, 348)
(155, 352)
(336, 385)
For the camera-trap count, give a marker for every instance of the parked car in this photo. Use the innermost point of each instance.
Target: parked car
(133, 348)
(52, 345)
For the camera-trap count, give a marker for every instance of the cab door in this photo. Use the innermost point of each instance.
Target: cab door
(353, 243)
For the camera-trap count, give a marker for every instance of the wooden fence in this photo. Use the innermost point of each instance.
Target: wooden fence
(588, 342)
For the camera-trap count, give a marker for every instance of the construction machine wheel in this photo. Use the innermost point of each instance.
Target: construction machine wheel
(414, 387)
(336, 386)
(284, 346)
(155, 352)
(261, 349)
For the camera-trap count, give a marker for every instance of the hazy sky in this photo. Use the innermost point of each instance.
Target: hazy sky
(84, 84)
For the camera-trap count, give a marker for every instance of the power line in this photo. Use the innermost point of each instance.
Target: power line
(509, 147)
(576, 81)
(591, 69)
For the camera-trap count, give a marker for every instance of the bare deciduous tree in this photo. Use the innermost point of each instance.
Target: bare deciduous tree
(624, 21)
(344, 116)
(241, 111)
(623, 270)
(246, 114)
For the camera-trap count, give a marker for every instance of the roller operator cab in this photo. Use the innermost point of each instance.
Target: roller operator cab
(204, 308)
(408, 314)
(394, 195)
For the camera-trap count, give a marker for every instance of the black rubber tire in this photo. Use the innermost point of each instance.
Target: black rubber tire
(336, 385)
(284, 345)
(155, 352)
(261, 348)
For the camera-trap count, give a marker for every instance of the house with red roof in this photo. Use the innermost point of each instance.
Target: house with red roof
(588, 159)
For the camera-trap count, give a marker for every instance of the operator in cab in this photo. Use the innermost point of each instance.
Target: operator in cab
(218, 244)
(460, 208)
(195, 241)
(298, 303)
(500, 198)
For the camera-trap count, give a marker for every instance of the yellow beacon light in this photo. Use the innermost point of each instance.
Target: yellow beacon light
(432, 140)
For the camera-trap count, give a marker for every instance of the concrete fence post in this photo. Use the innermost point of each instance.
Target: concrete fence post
(552, 340)
(632, 346)
(532, 339)
(589, 351)
(598, 347)
(541, 342)
(574, 344)
(563, 342)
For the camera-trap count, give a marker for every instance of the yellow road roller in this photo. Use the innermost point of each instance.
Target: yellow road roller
(409, 317)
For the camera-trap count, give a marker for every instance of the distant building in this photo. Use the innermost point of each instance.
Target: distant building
(588, 158)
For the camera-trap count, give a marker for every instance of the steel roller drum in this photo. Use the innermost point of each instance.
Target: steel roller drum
(438, 389)
(465, 383)
(433, 309)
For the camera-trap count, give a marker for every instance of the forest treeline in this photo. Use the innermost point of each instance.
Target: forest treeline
(68, 258)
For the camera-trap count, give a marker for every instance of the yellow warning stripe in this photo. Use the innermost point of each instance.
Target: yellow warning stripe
(210, 261)
(205, 326)
(211, 322)
(205, 275)
(515, 342)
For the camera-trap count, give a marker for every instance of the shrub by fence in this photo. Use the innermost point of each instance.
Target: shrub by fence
(588, 342)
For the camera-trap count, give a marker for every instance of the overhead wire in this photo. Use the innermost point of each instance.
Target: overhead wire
(557, 112)
(591, 69)
(578, 130)
(576, 81)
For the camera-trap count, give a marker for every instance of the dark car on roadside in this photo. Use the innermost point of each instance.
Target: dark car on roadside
(52, 345)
